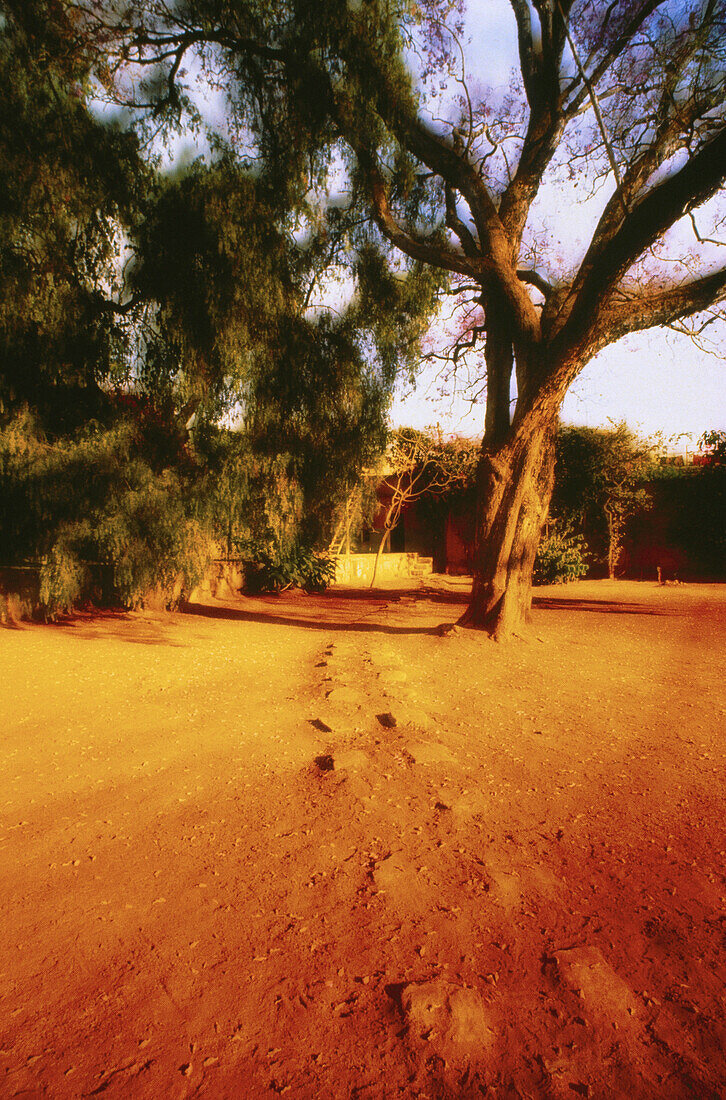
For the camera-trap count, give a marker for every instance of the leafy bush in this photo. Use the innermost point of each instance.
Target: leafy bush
(560, 557)
(63, 579)
(103, 521)
(299, 567)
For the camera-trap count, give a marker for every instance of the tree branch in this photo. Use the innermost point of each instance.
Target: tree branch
(546, 122)
(661, 207)
(590, 88)
(672, 123)
(417, 247)
(457, 226)
(611, 55)
(535, 279)
(663, 308)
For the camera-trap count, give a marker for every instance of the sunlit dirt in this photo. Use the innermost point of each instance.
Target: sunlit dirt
(317, 846)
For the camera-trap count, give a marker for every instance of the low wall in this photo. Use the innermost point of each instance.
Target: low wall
(223, 581)
(358, 568)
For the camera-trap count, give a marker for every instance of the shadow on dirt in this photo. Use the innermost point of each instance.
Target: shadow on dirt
(308, 623)
(605, 607)
(118, 626)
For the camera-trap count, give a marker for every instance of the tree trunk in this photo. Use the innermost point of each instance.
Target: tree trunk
(381, 548)
(514, 486)
(615, 529)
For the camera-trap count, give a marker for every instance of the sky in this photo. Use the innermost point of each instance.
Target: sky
(656, 381)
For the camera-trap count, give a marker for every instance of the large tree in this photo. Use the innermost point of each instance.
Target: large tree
(627, 98)
(140, 306)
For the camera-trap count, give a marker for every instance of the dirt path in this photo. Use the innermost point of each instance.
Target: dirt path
(312, 847)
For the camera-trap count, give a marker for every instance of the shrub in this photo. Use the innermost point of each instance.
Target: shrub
(560, 557)
(63, 579)
(299, 567)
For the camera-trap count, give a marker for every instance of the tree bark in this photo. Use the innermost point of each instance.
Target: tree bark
(514, 486)
(615, 527)
(381, 547)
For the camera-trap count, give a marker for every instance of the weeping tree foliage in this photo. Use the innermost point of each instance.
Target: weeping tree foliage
(228, 328)
(623, 101)
(85, 488)
(68, 185)
(92, 486)
(104, 521)
(139, 309)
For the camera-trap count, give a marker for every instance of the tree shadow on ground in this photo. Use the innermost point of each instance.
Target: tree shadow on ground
(309, 623)
(116, 625)
(396, 595)
(605, 607)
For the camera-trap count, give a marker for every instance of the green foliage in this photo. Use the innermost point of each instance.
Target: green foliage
(216, 271)
(69, 185)
(312, 389)
(560, 557)
(63, 580)
(102, 522)
(242, 496)
(599, 485)
(298, 567)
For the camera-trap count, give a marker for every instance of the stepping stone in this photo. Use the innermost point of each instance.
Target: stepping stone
(430, 752)
(605, 994)
(345, 696)
(394, 675)
(505, 887)
(353, 760)
(402, 885)
(454, 1020)
(419, 718)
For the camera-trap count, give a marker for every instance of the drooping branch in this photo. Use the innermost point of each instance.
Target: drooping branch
(418, 248)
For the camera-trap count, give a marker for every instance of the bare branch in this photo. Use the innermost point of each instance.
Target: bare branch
(699, 238)
(595, 106)
(614, 51)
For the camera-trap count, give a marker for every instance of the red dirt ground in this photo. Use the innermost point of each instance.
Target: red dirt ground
(312, 846)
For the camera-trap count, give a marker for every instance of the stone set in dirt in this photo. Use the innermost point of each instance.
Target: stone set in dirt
(320, 848)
